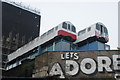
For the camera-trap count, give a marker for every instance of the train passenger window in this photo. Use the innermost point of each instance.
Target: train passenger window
(97, 27)
(73, 29)
(89, 29)
(50, 31)
(43, 35)
(56, 27)
(81, 32)
(64, 25)
(68, 26)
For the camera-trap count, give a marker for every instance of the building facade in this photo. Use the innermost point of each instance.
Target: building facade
(71, 65)
(96, 45)
(20, 25)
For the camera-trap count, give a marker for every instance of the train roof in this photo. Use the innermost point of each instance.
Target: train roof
(93, 25)
(56, 26)
(100, 24)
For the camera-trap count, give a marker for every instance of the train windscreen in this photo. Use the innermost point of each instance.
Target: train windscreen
(106, 31)
(64, 25)
(97, 27)
(73, 29)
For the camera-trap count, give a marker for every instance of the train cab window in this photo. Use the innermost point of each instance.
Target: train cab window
(105, 30)
(89, 29)
(97, 27)
(64, 25)
(68, 26)
(73, 29)
(81, 32)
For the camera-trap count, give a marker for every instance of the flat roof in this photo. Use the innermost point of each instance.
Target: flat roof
(22, 6)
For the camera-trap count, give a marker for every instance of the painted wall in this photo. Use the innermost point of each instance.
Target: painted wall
(78, 64)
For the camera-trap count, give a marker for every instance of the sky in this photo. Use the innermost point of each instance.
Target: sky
(81, 13)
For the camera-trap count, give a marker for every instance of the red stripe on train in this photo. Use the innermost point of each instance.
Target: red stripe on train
(64, 33)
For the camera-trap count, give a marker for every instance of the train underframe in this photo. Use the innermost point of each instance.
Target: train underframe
(92, 39)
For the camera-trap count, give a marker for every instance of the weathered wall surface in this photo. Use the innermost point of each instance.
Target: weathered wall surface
(24, 70)
(70, 64)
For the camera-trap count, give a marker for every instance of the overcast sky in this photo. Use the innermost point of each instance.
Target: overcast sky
(82, 13)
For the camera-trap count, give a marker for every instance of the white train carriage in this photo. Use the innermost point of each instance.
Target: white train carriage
(66, 30)
(96, 32)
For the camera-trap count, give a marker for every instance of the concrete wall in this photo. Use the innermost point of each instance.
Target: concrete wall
(24, 70)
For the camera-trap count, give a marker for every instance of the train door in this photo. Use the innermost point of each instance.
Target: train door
(98, 32)
(101, 30)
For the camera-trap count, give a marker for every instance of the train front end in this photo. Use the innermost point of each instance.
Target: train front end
(101, 33)
(68, 31)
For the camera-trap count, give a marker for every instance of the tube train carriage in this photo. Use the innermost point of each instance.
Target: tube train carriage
(66, 30)
(96, 32)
